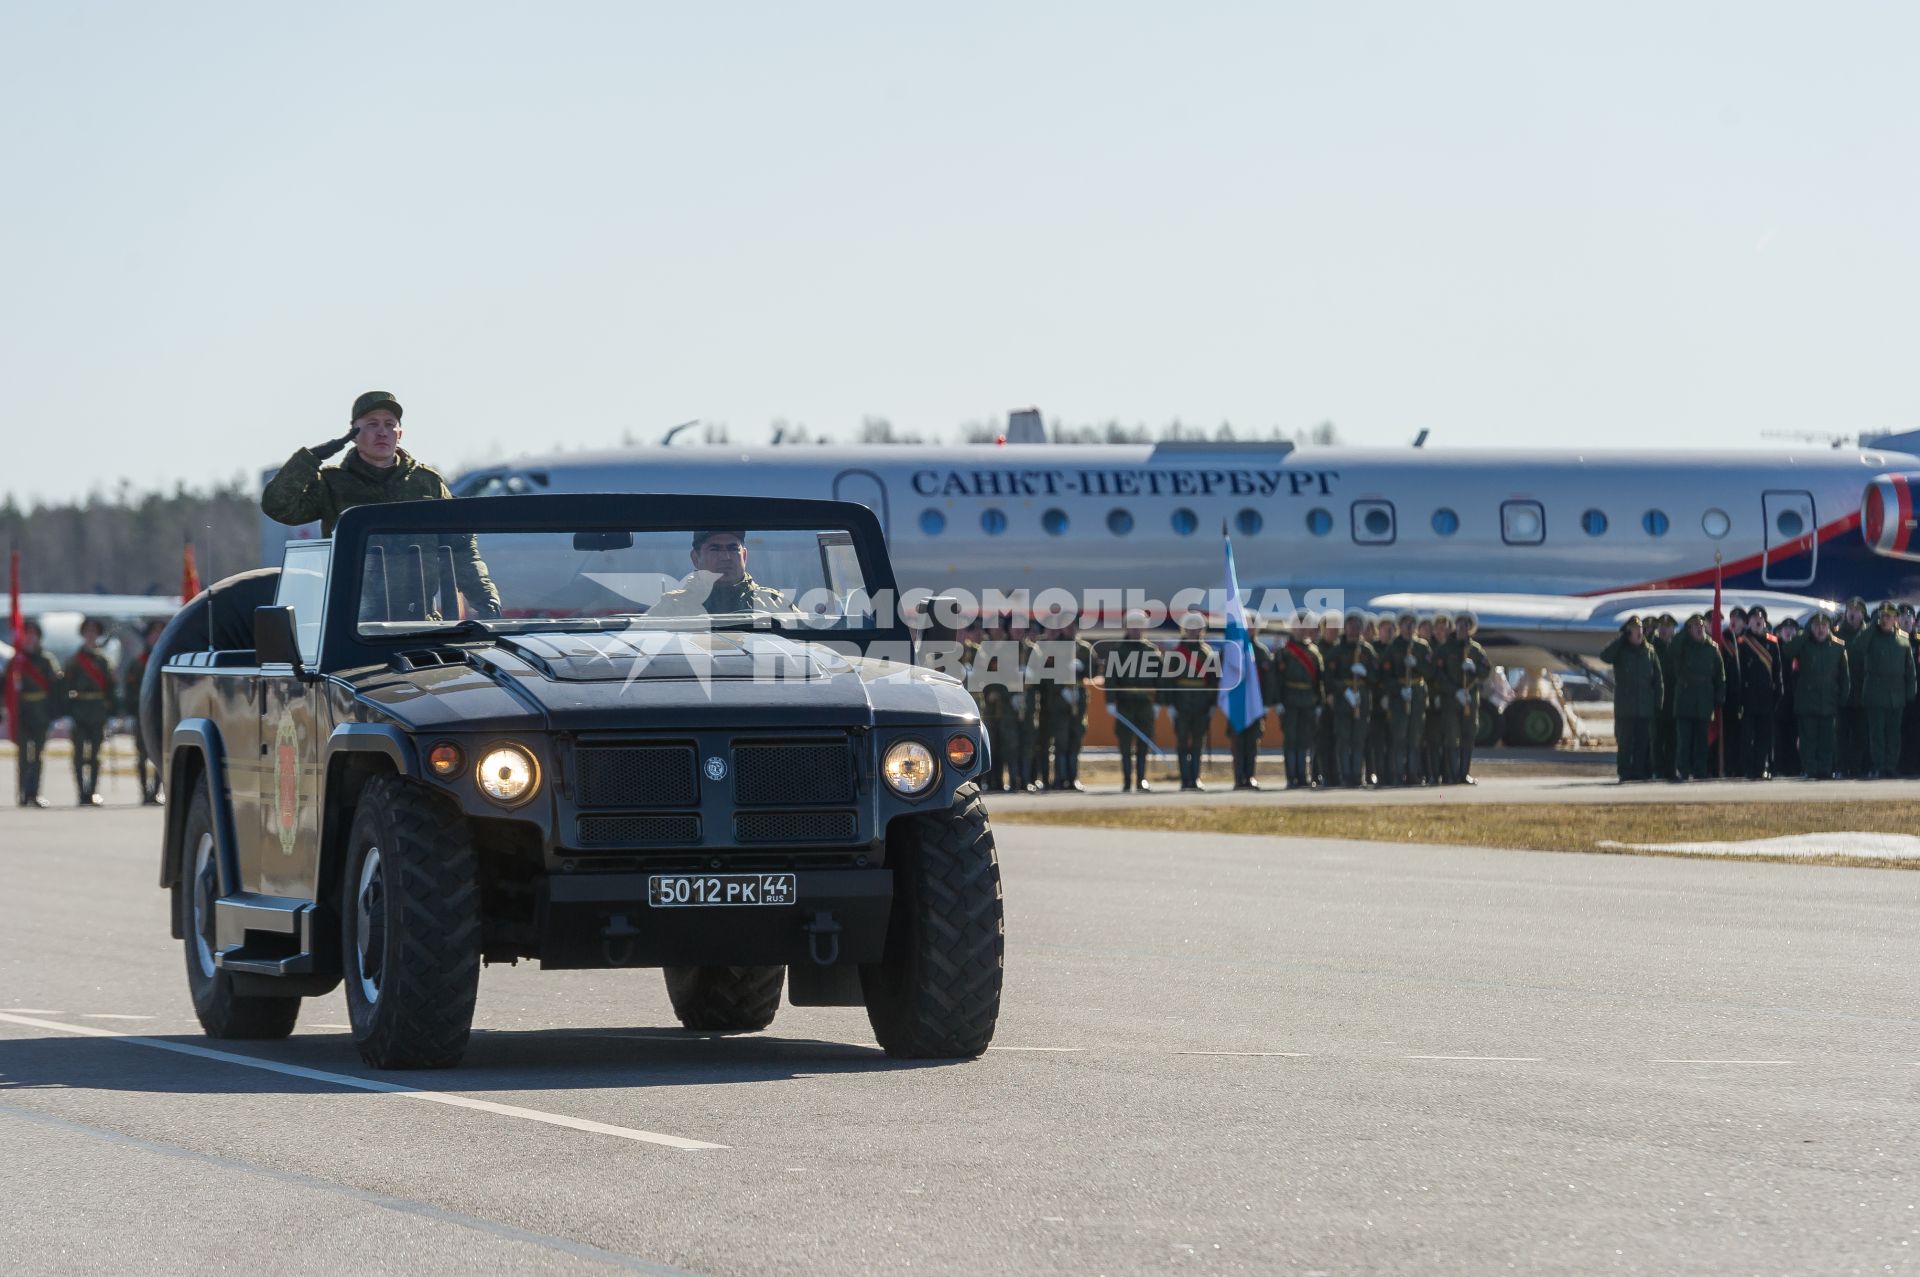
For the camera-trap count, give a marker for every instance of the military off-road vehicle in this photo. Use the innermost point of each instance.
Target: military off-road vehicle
(690, 735)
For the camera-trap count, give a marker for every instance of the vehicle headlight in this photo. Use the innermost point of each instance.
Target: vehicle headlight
(908, 767)
(508, 775)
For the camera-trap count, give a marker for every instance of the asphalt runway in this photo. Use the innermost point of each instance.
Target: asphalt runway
(1216, 1054)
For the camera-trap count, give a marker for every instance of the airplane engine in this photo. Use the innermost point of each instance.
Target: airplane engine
(1889, 511)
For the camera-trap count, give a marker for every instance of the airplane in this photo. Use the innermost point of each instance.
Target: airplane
(1550, 548)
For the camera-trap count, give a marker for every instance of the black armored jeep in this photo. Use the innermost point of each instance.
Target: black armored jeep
(599, 731)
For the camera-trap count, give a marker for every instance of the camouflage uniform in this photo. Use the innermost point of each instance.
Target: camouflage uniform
(694, 596)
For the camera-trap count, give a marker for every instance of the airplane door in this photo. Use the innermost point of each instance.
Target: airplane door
(864, 488)
(1792, 545)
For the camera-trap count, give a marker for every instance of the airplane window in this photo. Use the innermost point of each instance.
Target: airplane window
(932, 522)
(1594, 522)
(1055, 522)
(1119, 522)
(1185, 521)
(1790, 524)
(1655, 522)
(1319, 522)
(1716, 524)
(993, 522)
(1446, 522)
(1523, 522)
(1249, 522)
(1373, 522)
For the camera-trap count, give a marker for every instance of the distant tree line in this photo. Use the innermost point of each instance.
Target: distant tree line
(130, 543)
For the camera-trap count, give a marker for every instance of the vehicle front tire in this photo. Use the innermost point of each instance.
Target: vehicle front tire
(937, 993)
(725, 999)
(409, 927)
(222, 1012)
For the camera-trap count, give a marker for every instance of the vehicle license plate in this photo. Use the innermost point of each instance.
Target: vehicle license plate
(693, 891)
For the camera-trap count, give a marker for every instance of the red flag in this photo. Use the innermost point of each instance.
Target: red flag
(19, 638)
(189, 578)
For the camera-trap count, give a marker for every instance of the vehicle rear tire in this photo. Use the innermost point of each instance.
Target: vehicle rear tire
(1531, 723)
(936, 995)
(725, 999)
(222, 1012)
(409, 927)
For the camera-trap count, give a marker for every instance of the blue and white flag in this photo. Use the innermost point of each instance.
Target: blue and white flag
(1239, 676)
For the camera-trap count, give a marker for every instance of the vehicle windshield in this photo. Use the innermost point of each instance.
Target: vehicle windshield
(454, 581)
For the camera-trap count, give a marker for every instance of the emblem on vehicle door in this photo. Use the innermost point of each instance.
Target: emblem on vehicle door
(286, 770)
(716, 768)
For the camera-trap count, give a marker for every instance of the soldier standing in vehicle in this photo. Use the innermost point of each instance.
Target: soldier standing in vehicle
(90, 696)
(1409, 664)
(1820, 684)
(1662, 644)
(377, 470)
(1883, 670)
(1637, 694)
(1350, 674)
(1700, 685)
(135, 672)
(1188, 690)
(1129, 666)
(1297, 665)
(42, 699)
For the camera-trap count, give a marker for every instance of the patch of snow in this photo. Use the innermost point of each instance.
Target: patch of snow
(1861, 846)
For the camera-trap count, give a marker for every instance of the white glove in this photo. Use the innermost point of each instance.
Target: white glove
(1070, 695)
(1466, 667)
(1359, 671)
(1406, 694)
(1461, 696)
(1411, 662)
(1383, 700)
(1353, 698)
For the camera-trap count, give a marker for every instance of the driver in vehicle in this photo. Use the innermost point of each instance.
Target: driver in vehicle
(719, 581)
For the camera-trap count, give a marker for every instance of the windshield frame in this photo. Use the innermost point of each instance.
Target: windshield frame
(343, 646)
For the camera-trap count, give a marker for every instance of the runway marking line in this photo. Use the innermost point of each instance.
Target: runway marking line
(1283, 1055)
(1051, 1050)
(1496, 1059)
(32, 1011)
(1723, 1061)
(108, 1015)
(369, 1084)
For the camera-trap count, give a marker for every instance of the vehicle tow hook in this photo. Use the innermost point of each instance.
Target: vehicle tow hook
(823, 929)
(617, 939)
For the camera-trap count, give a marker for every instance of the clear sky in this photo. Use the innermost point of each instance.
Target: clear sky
(540, 225)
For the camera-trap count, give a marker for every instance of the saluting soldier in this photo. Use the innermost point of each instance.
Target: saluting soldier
(1350, 680)
(1408, 666)
(1297, 666)
(1853, 715)
(376, 471)
(130, 679)
(1246, 742)
(90, 696)
(1662, 642)
(1066, 660)
(1189, 689)
(1129, 666)
(1700, 686)
(1466, 669)
(43, 699)
(1638, 687)
(1761, 681)
(1820, 685)
(1882, 662)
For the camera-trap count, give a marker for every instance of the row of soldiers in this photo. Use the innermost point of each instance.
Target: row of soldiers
(88, 690)
(1360, 700)
(1835, 700)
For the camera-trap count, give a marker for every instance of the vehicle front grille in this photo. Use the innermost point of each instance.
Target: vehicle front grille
(671, 830)
(795, 826)
(792, 773)
(636, 776)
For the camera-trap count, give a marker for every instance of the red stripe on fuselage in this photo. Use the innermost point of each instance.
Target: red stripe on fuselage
(1903, 528)
(1785, 550)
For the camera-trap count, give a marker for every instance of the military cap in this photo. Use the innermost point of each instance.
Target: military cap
(1632, 622)
(99, 626)
(1906, 609)
(374, 399)
(1738, 611)
(1136, 620)
(1887, 609)
(1697, 617)
(1665, 618)
(1857, 601)
(1408, 618)
(700, 537)
(1467, 620)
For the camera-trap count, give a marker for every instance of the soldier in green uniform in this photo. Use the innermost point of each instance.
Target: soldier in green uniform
(1853, 716)
(1246, 742)
(719, 582)
(43, 698)
(1699, 687)
(1297, 666)
(1326, 764)
(1188, 689)
(1820, 684)
(1662, 643)
(1404, 674)
(1638, 687)
(995, 667)
(377, 470)
(90, 696)
(1439, 634)
(1066, 662)
(1464, 669)
(1882, 666)
(1129, 667)
(1350, 675)
(130, 679)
